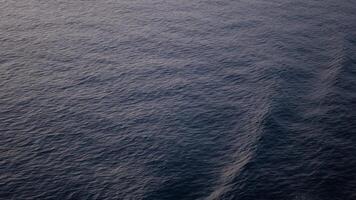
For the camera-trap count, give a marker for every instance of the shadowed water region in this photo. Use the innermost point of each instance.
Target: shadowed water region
(178, 99)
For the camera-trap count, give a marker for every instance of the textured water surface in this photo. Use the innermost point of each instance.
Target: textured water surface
(178, 99)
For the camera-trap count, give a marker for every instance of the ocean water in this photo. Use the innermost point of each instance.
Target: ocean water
(178, 99)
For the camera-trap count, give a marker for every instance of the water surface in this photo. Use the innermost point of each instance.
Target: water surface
(178, 99)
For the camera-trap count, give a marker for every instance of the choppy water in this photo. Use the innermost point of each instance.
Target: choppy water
(178, 99)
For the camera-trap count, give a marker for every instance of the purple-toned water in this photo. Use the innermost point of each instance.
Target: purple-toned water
(178, 99)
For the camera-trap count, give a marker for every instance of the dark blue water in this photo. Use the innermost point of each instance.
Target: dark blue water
(178, 99)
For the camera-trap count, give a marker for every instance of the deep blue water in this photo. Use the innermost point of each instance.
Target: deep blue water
(178, 99)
